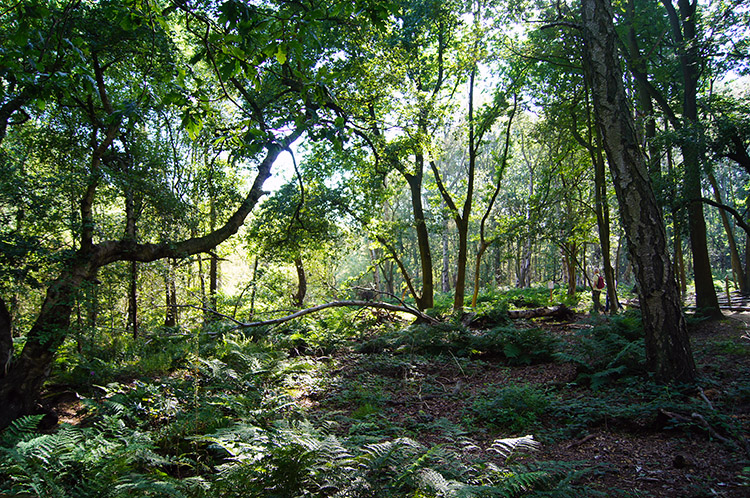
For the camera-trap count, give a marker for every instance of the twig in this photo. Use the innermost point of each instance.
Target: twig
(579, 442)
(697, 417)
(711, 430)
(704, 398)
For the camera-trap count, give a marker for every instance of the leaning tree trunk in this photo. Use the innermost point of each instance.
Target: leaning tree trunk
(28, 372)
(20, 387)
(668, 352)
(426, 299)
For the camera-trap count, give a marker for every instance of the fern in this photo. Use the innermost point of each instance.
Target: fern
(107, 459)
(21, 429)
(509, 447)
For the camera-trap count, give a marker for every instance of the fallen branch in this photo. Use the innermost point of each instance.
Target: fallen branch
(701, 420)
(579, 442)
(342, 304)
(561, 312)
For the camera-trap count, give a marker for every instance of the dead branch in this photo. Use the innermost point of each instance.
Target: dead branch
(701, 420)
(561, 312)
(342, 304)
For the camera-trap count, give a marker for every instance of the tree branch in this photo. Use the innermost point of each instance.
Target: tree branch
(343, 304)
(737, 216)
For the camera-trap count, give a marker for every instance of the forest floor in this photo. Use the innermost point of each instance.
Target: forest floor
(622, 437)
(642, 452)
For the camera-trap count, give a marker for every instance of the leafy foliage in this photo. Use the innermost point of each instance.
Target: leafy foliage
(607, 349)
(517, 346)
(105, 460)
(514, 408)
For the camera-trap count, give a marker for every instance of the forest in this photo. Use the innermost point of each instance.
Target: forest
(374, 248)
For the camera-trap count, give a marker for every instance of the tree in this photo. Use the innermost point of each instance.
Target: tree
(684, 25)
(479, 123)
(278, 95)
(668, 352)
(293, 225)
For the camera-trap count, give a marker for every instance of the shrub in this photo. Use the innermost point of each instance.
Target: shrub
(514, 408)
(611, 348)
(517, 345)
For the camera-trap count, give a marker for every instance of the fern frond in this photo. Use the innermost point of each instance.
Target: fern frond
(434, 480)
(21, 429)
(523, 482)
(508, 447)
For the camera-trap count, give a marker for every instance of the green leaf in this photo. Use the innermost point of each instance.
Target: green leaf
(281, 54)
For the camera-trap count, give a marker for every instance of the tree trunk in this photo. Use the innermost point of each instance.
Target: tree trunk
(19, 388)
(133, 299)
(6, 339)
(299, 296)
(462, 260)
(570, 268)
(477, 265)
(445, 277)
(685, 35)
(602, 222)
(374, 258)
(733, 252)
(213, 281)
(170, 294)
(668, 352)
(425, 299)
(213, 268)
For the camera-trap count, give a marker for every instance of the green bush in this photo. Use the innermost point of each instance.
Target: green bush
(610, 348)
(518, 346)
(515, 409)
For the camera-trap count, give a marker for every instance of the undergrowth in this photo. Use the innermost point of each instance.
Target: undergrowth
(607, 349)
(333, 408)
(514, 345)
(221, 418)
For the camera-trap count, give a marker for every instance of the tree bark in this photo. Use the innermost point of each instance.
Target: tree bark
(20, 387)
(133, 299)
(374, 258)
(170, 293)
(445, 276)
(426, 299)
(569, 260)
(668, 353)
